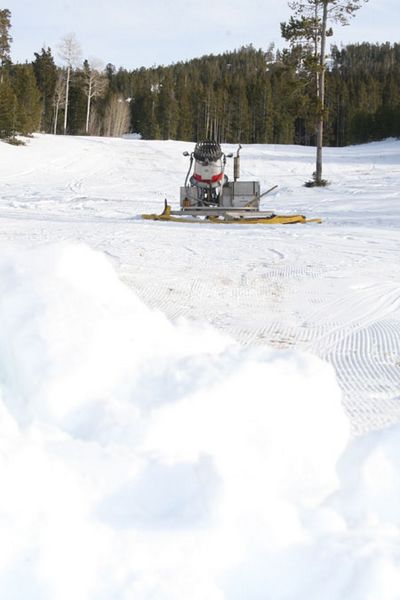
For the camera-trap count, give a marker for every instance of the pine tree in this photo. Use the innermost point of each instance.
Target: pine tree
(309, 28)
(8, 109)
(28, 110)
(5, 40)
(46, 77)
(167, 107)
(77, 105)
(184, 122)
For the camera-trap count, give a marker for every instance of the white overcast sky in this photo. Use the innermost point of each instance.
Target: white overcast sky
(135, 33)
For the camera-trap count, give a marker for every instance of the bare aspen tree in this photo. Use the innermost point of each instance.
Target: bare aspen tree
(95, 84)
(117, 117)
(58, 98)
(95, 123)
(69, 51)
(308, 27)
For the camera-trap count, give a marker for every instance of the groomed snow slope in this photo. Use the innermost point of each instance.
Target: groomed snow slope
(148, 456)
(330, 289)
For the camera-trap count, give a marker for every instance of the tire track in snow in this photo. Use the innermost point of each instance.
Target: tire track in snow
(362, 346)
(368, 371)
(354, 311)
(355, 334)
(303, 300)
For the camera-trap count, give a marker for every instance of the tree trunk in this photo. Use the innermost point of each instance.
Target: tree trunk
(66, 99)
(56, 118)
(321, 96)
(89, 98)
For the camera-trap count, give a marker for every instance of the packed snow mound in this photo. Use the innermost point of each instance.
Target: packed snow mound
(142, 459)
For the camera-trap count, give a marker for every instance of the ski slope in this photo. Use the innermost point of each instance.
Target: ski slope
(200, 412)
(332, 290)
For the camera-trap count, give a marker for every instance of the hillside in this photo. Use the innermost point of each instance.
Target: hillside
(197, 411)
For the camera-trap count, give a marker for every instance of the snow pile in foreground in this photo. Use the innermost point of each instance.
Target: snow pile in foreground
(144, 459)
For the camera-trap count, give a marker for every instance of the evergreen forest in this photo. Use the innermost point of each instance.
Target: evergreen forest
(248, 95)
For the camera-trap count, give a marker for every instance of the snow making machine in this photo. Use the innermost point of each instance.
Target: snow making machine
(209, 195)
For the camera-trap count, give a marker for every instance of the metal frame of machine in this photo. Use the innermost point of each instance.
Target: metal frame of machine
(208, 194)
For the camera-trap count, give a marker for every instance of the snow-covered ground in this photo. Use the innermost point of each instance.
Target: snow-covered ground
(168, 429)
